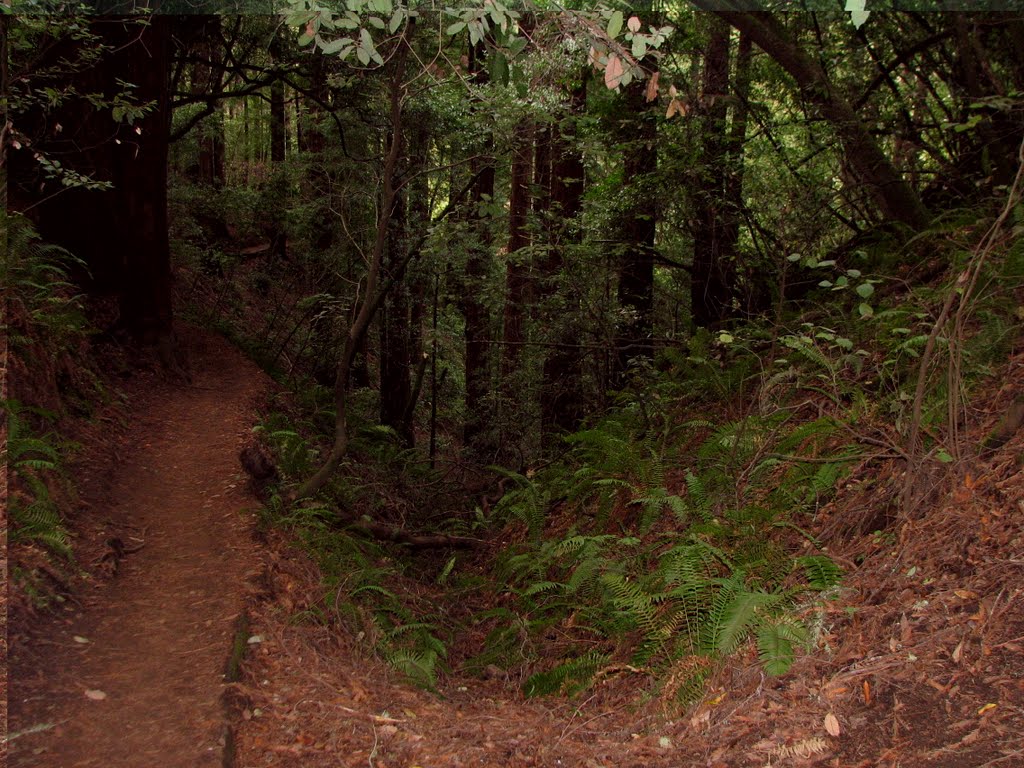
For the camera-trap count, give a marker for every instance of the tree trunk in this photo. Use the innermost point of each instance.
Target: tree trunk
(712, 279)
(636, 236)
(894, 196)
(395, 352)
(561, 398)
(474, 311)
(206, 79)
(517, 274)
(278, 151)
(120, 233)
(371, 296)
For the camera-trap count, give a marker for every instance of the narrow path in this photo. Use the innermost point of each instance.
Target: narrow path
(160, 631)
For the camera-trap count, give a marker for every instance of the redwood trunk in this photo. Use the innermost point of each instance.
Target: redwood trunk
(561, 388)
(714, 242)
(636, 239)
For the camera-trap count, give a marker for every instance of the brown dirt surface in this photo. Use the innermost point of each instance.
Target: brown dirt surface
(130, 672)
(918, 661)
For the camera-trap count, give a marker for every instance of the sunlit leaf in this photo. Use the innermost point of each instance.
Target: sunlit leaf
(615, 25)
(613, 71)
(652, 87)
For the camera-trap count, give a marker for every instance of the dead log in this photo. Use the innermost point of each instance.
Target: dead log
(415, 540)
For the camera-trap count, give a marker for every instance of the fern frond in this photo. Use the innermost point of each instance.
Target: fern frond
(821, 571)
(775, 645)
(697, 499)
(733, 614)
(375, 588)
(541, 587)
(569, 677)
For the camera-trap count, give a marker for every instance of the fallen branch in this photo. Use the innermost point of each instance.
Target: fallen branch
(416, 540)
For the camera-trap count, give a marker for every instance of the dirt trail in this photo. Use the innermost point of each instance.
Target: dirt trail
(159, 632)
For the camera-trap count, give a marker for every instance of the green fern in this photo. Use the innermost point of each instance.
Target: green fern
(418, 667)
(569, 677)
(822, 573)
(39, 522)
(775, 645)
(654, 504)
(698, 501)
(735, 611)
(527, 502)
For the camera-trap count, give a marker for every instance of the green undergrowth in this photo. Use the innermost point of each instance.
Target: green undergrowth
(677, 528)
(675, 547)
(366, 591)
(45, 327)
(369, 590)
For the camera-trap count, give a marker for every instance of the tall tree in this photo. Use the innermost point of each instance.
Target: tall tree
(373, 292)
(714, 241)
(561, 387)
(394, 323)
(119, 232)
(637, 227)
(278, 151)
(474, 310)
(895, 197)
(518, 287)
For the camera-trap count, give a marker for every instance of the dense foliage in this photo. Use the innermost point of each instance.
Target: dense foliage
(631, 290)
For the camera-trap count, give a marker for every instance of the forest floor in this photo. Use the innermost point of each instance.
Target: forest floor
(920, 660)
(130, 672)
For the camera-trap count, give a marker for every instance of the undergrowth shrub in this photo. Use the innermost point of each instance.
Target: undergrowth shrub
(44, 325)
(365, 589)
(363, 592)
(35, 463)
(670, 562)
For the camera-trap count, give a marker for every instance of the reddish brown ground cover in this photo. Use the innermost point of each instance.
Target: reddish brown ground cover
(130, 672)
(920, 660)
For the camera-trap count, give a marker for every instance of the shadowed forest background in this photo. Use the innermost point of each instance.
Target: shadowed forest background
(611, 344)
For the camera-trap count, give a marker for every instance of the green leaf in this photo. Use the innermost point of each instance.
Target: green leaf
(865, 310)
(363, 55)
(859, 17)
(520, 82)
(298, 18)
(944, 456)
(396, 20)
(775, 646)
(499, 68)
(454, 29)
(615, 24)
(736, 618)
(639, 47)
(333, 46)
(381, 6)
(864, 290)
